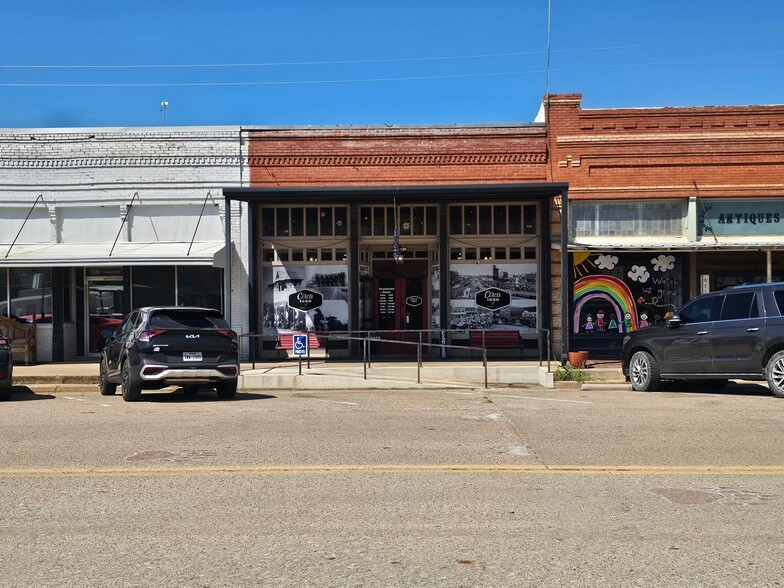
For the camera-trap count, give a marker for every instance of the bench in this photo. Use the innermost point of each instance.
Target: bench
(497, 340)
(316, 341)
(22, 338)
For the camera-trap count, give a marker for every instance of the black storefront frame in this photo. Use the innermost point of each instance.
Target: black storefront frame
(442, 195)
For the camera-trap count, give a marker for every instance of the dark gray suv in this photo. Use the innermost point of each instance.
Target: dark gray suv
(735, 333)
(161, 346)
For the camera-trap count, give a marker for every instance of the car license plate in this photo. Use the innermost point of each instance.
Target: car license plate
(191, 356)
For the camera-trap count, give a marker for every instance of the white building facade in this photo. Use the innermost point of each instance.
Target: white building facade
(95, 222)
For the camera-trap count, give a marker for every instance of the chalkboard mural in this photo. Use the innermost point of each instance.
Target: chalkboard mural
(616, 293)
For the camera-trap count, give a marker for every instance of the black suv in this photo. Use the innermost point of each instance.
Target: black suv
(160, 346)
(6, 367)
(737, 332)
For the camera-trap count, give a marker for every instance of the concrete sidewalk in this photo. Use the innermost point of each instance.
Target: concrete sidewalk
(332, 375)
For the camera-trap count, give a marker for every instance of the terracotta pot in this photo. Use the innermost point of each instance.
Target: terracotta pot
(578, 359)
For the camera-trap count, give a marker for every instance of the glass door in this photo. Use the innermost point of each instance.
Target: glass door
(104, 309)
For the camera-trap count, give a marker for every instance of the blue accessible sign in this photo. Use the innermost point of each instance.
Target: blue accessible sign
(300, 345)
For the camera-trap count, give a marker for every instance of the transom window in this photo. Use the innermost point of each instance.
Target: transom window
(663, 218)
(308, 221)
(379, 221)
(492, 219)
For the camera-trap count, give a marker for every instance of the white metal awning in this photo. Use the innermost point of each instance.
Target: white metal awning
(101, 254)
(738, 244)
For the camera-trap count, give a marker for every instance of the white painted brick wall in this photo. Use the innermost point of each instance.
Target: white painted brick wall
(166, 166)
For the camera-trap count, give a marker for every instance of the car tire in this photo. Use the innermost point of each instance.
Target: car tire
(5, 393)
(774, 372)
(644, 372)
(131, 389)
(226, 389)
(104, 385)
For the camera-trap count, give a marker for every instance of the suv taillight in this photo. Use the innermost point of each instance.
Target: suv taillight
(3, 343)
(229, 333)
(145, 336)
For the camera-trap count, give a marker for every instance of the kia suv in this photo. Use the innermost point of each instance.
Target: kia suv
(735, 333)
(160, 346)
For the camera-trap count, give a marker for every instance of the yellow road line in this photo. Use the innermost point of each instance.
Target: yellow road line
(578, 470)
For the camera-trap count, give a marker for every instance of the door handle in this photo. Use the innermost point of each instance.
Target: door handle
(752, 329)
(702, 332)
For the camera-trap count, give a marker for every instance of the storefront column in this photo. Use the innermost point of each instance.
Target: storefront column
(353, 266)
(769, 265)
(443, 265)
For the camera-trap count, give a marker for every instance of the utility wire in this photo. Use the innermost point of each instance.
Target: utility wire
(370, 61)
(367, 80)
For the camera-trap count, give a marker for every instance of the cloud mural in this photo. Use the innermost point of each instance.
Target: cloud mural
(663, 263)
(639, 273)
(606, 262)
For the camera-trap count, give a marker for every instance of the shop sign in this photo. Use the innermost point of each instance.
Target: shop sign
(306, 300)
(742, 217)
(414, 301)
(493, 298)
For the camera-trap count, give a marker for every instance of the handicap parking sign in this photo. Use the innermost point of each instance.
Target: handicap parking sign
(300, 344)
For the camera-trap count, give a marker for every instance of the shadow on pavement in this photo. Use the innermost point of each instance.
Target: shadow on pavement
(743, 388)
(204, 395)
(19, 393)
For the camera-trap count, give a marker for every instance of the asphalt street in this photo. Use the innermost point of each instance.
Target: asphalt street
(449, 488)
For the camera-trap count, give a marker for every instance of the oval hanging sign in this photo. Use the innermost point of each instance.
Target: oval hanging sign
(306, 300)
(493, 298)
(414, 301)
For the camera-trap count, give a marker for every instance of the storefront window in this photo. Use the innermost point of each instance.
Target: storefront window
(297, 222)
(152, 286)
(326, 222)
(485, 220)
(31, 294)
(341, 223)
(199, 286)
(662, 218)
(4, 291)
(311, 222)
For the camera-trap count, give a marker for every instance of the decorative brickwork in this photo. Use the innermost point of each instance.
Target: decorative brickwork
(397, 156)
(727, 151)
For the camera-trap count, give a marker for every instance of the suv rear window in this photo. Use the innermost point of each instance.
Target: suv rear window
(779, 296)
(187, 319)
(739, 306)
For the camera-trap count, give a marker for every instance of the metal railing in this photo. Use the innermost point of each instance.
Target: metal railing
(369, 337)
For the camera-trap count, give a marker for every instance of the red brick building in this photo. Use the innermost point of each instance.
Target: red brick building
(664, 203)
(400, 228)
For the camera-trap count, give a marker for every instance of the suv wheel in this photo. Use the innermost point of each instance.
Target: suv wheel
(5, 393)
(644, 372)
(226, 389)
(104, 385)
(774, 372)
(131, 389)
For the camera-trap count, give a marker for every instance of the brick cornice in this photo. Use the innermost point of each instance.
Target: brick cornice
(395, 160)
(80, 162)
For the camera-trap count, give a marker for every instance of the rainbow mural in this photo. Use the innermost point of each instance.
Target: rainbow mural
(608, 288)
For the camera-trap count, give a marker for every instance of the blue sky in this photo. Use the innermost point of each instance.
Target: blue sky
(355, 63)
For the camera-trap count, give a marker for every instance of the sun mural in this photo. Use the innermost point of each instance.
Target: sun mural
(582, 264)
